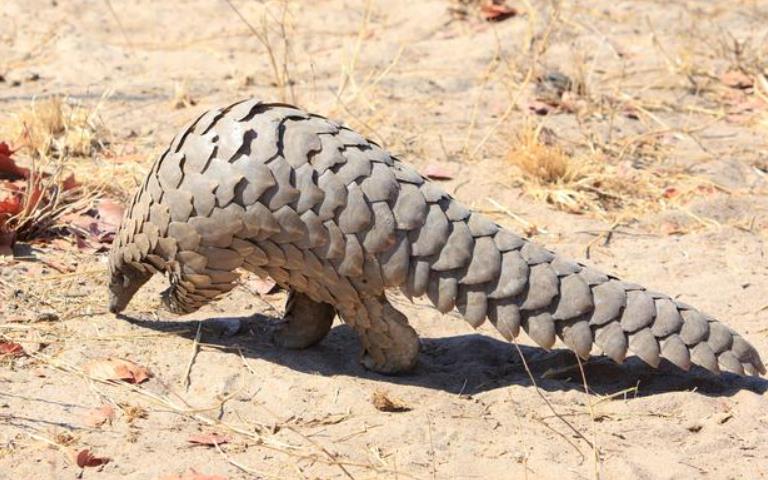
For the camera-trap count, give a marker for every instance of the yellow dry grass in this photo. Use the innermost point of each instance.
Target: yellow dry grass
(56, 128)
(591, 183)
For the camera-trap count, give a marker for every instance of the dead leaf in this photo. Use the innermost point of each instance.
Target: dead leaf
(99, 416)
(69, 183)
(85, 458)
(11, 205)
(671, 192)
(384, 403)
(538, 107)
(193, 474)
(208, 439)
(437, 172)
(117, 369)
(110, 213)
(496, 11)
(11, 349)
(8, 167)
(671, 228)
(737, 79)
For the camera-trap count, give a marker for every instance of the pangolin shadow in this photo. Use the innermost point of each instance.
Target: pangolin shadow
(463, 364)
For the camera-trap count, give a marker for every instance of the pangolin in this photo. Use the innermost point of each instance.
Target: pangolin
(337, 221)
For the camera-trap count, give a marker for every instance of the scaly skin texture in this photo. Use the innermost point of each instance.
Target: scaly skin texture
(336, 220)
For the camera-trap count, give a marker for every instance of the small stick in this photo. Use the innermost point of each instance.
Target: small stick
(525, 223)
(551, 407)
(595, 451)
(195, 349)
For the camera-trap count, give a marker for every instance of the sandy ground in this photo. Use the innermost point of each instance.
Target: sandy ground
(439, 87)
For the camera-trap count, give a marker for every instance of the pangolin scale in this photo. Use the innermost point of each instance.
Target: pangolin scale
(336, 220)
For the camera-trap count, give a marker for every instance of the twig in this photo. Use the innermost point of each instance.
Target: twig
(263, 38)
(119, 24)
(240, 466)
(595, 451)
(552, 408)
(195, 349)
(525, 223)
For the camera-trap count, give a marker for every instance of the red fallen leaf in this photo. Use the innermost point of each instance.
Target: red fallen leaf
(8, 167)
(671, 192)
(10, 205)
(737, 79)
(192, 474)
(110, 213)
(209, 439)
(437, 172)
(69, 183)
(99, 416)
(11, 349)
(496, 11)
(117, 369)
(84, 458)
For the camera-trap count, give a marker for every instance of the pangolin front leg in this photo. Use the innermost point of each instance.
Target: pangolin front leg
(329, 215)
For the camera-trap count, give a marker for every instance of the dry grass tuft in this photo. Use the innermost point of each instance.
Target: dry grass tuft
(56, 128)
(541, 160)
(55, 141)
(591, 183)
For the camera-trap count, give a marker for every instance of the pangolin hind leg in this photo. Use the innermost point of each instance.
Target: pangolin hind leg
(306, 322)
(389, 344)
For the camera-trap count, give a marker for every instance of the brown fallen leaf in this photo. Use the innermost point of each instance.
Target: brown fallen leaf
(737, 79)
(496, 11)
(110, 213)
(208, 439)
(438, 172)
(11, 349)
(192, 474)
(384, 403)
(99, 416)
(85, 458)
(671, 228)
(538, 107)
(117, 369)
